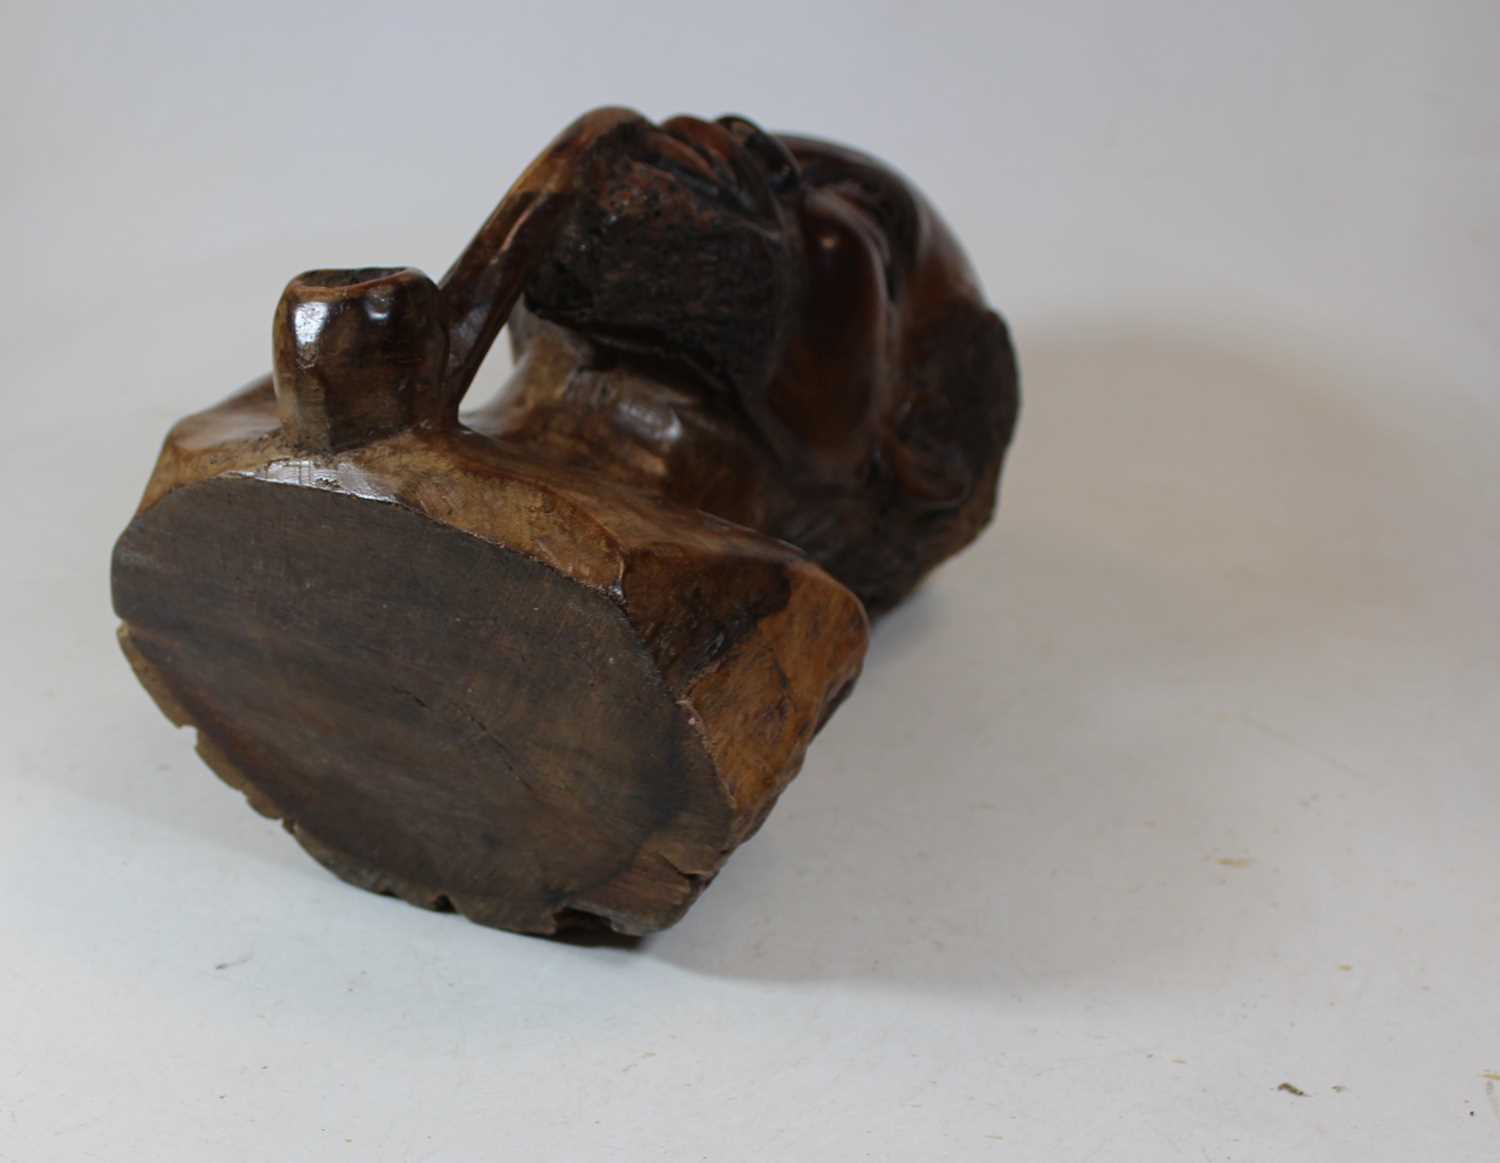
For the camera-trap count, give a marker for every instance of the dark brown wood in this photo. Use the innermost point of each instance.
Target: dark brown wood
(551, 663)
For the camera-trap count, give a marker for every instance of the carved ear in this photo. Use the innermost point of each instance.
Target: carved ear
(943, 453)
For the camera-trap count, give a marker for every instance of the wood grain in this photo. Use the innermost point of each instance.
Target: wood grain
(549, 663)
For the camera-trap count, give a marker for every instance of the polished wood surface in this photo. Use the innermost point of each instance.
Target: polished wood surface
(549, 662)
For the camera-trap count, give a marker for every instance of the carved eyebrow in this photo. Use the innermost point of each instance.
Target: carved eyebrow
(895, 212)
(883, 197)
(892, 231)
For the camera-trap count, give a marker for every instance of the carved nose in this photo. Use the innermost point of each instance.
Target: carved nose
(358, 354)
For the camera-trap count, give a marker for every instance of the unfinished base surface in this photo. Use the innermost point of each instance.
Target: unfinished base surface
(445, 715)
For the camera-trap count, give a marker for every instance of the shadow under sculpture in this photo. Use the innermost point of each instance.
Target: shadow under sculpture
(550, 663)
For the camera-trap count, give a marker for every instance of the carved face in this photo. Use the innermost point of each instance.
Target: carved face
(807, 295)
(880, 267)
(784, 273)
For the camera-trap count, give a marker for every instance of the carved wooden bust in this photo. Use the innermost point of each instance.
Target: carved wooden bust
(549, 662)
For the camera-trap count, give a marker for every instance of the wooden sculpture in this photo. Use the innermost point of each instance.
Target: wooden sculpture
(549, 663)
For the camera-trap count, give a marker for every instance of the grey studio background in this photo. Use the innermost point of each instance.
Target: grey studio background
(1180, 785)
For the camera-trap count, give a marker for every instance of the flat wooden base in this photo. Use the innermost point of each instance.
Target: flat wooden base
(447, 715)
